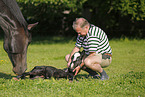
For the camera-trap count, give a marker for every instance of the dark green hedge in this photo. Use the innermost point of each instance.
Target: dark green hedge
(118, 18)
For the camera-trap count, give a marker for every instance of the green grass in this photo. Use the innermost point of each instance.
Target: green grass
(127, 71)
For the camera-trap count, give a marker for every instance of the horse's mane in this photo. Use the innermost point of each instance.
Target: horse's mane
(15, 10)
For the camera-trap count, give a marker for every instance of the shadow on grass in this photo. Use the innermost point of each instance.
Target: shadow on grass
(79, 76)
(6, 76)
(129, 76)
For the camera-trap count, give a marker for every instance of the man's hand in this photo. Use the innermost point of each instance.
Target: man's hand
(77, 70)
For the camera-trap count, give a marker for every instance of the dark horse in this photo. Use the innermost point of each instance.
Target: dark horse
(16, 34)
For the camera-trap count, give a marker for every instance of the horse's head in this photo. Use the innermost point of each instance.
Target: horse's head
(16, 46)
(16, 34)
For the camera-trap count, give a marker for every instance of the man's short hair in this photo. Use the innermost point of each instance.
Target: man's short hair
(81, 22)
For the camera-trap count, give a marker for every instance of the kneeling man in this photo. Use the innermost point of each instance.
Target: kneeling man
(98, 53)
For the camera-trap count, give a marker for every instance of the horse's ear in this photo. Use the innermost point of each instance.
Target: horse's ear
(30, 26)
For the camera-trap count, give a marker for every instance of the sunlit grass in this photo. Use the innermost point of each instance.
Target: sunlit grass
(127, 71)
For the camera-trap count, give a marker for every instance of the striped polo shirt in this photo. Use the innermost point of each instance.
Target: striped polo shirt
(95, 41)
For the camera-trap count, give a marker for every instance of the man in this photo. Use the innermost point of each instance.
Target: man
(98, 53)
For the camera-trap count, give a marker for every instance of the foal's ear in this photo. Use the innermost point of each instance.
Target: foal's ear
(30, 26)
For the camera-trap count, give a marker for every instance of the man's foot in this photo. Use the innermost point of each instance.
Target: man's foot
(104, 76)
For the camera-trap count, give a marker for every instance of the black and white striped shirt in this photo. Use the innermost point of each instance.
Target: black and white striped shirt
(95, 41)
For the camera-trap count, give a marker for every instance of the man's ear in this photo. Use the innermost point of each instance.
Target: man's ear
(30, 26)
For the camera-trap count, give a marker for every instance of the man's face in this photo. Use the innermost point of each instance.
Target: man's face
(82, 31)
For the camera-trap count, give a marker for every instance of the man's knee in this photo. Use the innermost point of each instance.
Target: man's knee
(88, 62)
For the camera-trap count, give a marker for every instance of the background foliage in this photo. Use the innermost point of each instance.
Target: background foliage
(118, 18)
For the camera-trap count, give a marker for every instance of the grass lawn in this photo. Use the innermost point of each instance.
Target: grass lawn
(126, 72)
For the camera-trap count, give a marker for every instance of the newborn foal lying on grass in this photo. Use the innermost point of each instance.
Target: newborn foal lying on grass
(47, 72)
